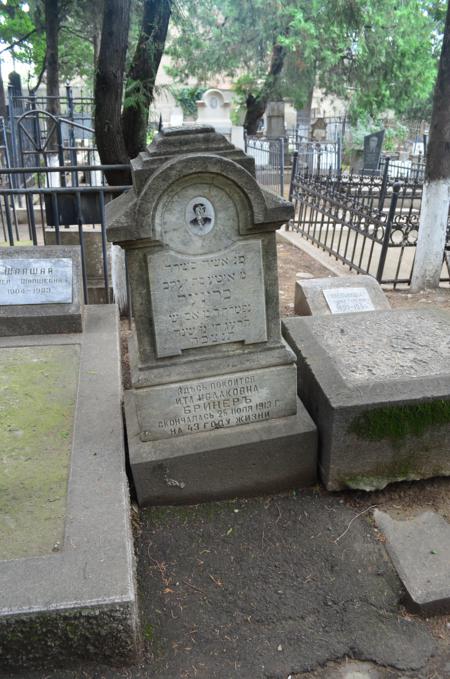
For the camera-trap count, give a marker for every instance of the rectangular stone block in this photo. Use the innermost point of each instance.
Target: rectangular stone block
(73, 597)
(40, 290)
(378, 387)
(245, 460)
(182, 408)
(341, 294)
(198, 301)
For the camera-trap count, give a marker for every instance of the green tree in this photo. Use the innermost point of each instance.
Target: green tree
(380, 53)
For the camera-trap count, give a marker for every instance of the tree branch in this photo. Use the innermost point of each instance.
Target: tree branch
(17, 42)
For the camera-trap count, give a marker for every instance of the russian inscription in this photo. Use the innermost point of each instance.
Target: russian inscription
(215, 403)
(348, 300)
(35, 281)
(210, 299)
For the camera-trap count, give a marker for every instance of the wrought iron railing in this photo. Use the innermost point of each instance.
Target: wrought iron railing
(369, 223)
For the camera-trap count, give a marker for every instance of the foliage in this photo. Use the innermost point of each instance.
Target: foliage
(186, 98)
(376, 54)
(394, 135)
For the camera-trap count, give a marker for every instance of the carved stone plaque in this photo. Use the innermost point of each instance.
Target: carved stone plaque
(348, 300)
(209, 299)
(231, 400)
(35, 281)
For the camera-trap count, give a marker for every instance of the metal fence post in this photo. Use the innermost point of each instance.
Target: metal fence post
(382, 197)
(282, 166)
(387, 232)
(293, 173)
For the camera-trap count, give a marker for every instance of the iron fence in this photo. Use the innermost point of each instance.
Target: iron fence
(63, 205)
(269, 155)
(369, 223)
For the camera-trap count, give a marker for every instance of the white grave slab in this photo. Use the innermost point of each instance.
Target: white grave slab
(35, 281)
(348, 300)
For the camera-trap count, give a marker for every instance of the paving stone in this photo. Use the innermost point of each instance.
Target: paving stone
(420, 551)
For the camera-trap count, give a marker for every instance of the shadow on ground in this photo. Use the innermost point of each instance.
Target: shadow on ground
(267, 588)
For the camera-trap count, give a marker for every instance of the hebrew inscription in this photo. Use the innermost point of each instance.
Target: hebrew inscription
(215, 403)
(35, 281)
(208, 299)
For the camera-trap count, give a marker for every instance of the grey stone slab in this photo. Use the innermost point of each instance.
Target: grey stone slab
(378, 387)
(207, 300)
(343, 294)
(40, 290)
(245, 460)
(420, 551)
(228, 400)
(80, 601)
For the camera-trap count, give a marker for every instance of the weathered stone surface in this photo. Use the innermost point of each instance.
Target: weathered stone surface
(228, 400)
(346, 294)
(420, 551)
(199, 300)
(40, 290)
(79, 601)
(243, 460)
(207, 352)
(378, 387)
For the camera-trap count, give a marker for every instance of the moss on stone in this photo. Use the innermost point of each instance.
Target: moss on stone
(398, 422)
(37, 402)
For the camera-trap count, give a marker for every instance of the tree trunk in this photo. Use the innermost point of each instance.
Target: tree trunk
(2, 96)
(256, 105)
(142, 74)
(108, 89)
(435, 195)
(51, 28)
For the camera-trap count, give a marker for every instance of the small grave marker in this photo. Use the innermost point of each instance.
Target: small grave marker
(40, 290)
(348, 300)
(373, 143)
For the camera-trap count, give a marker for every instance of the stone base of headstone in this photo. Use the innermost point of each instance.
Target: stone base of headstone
(245, 460)
(346, 294)
(70, 595)
(378, 387)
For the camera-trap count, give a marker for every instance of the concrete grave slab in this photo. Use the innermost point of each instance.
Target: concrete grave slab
(346, 294)
(40, 290)
(206, 353)
(378, 387)
(420, 551)
(70, 593)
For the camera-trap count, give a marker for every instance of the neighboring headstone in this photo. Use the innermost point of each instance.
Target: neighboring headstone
(338, 295)
(40, 290)
(66, 548)
(378, 387)
(213, 411)
(319, 130)
(212, 109)
(275, 125)
(447, 260)
(420, 551)
(237, 137)
(373, 143)
(176, 117)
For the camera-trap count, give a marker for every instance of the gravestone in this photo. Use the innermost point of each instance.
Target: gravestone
(337, 295)
(40, 290)
(373, 143)
(275, 125)
(212, 109)
(378, 387)
(319, 130)
(213, 410)
(447, 260)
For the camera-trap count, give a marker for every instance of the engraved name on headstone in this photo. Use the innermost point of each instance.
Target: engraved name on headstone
(214, 299)
(348, 300)
(35, 281)
(218, 402)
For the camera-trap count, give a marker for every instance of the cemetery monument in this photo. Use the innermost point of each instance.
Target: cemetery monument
(213, 411)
